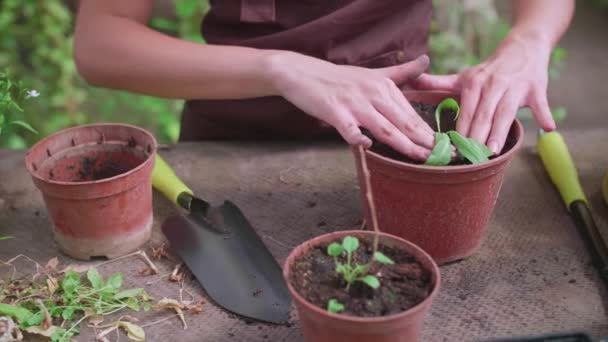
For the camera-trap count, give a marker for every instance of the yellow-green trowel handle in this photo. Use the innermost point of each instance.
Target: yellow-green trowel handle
(166, 181)
(560, 167)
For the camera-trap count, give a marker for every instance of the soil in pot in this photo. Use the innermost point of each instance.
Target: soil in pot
(93, 162)
(427, 112)
(403, 285)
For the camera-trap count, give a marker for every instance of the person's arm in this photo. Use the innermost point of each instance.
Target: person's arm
(516, 75)
(113, 48)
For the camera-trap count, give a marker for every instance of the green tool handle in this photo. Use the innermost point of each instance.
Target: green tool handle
(560, 167)
(166, 181)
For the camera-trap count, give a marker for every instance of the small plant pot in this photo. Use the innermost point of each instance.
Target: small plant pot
(442, 209)
(96, 184)
(318, 325)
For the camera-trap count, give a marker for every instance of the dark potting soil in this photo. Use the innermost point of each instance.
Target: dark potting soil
(427, 113)
(403, 285)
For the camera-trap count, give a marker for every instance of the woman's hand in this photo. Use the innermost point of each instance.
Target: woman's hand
(348, 97)
(492, 92)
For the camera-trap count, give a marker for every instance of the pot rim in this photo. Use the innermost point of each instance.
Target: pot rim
(409, 246)
(149, 158)
(519, 135)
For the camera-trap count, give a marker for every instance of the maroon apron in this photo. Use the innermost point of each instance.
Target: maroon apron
(368, 33)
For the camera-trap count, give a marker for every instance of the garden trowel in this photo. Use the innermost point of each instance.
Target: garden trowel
(224, 252)
(558, 162)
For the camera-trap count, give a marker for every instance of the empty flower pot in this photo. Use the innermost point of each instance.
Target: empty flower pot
(442, 209)
(319, 325)
(96, 184)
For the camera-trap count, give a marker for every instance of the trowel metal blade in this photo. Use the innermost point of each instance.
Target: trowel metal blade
(232, 263)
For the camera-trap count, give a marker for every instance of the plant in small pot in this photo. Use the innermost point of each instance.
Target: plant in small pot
(445, 204)
(361, 286)
(96, 181)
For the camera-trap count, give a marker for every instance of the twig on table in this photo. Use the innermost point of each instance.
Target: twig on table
(140, 254)
(369, 196)
(176, 275)
(159, 321)
(159, 278)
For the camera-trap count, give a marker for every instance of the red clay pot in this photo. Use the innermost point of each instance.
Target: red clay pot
(442, 209)
(318, 325)
(96, 184)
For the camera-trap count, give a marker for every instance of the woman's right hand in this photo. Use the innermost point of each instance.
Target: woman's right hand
(349, 97)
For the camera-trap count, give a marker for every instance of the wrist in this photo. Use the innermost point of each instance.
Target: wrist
(275, 68)
(526, 45)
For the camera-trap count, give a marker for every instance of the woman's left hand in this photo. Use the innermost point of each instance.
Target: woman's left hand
(492, 92)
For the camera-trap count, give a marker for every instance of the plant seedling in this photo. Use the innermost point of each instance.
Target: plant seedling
(469, 149)
(12, 95)
(352, 272)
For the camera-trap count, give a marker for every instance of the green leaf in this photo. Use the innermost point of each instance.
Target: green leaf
(134, 331)
(95, 278)
(383, 259)
(359, 269)
(6, 237)
(68, 313)
(70, 282)
(163, 24)
(470, 149)
(59, 335)
(185, 8)
(115, 281)
(147, 307)
(133, 303)
(371, 281)
(34, 320)
(334, 306)
(350, 244)
(128, 293)
(334, 249)
(23, 124)
(19, 313)
(448, 103)
(442, 151)
(340, 268)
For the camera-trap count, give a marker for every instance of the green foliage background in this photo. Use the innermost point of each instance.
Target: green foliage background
(36, 47)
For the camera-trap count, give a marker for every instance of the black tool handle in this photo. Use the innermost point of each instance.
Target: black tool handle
(592, 236)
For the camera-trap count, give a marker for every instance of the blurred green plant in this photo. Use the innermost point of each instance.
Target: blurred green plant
(12, 97)
(36, 43)
(464, 33)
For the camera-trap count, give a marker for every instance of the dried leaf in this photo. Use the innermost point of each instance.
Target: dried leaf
(134, 331)
(160, 252)
(146, 271)
(37, 330)
(51, 265)
(177, 277)
(167, 303)
(195, 309)
(52, 285)
(47, 322)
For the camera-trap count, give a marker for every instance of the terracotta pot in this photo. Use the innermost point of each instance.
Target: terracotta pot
(96, 184)
(442, 209)
(318, 325)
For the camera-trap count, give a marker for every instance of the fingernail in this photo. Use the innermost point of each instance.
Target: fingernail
(423, 59)
(493, 146)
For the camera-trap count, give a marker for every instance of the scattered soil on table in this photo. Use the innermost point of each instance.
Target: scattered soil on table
(427, 112)
(403, 285)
